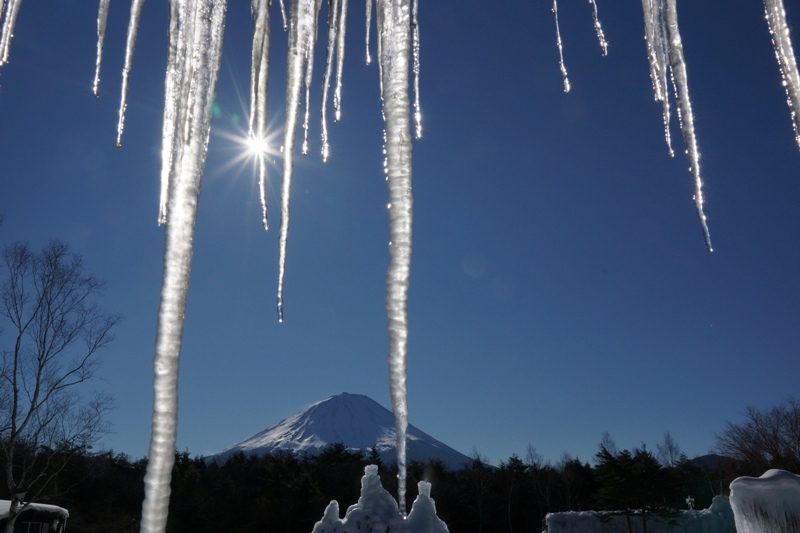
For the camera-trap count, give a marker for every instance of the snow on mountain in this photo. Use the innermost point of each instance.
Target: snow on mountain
(357, 421)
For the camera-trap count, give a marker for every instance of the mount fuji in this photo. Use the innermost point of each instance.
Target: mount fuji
(355, 420)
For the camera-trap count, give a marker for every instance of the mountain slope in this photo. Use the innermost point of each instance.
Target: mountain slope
(355, 420)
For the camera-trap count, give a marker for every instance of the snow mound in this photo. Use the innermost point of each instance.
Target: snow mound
(767, 503)
(376, 511)
(718, 518)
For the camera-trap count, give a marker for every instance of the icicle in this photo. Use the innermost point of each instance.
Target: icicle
(337, 94)
(199, 69)
(599, 28)
(283, 15)
(333, 48)
(782, 41)
(415, 50)
(655, 37)
(309, 63)
(102, 16)
(302, 32)
(394, 42)
(133, 28)
(172, 97)
(259, 78)
(560, 48)
(10, 19)
(677, 64)
(368, 24)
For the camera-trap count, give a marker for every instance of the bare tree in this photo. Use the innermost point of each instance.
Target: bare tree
(669, 453)
(766, 439)
(56, 332)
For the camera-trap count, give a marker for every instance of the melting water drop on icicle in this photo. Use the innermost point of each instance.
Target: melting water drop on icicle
(102, 16)
(598, 28)
(781, 40)
(200, 26)
(560, 48)
(133, 29)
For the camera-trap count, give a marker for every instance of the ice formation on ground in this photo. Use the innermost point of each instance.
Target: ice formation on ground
(718, 518)
(377, 512)
(767, 503)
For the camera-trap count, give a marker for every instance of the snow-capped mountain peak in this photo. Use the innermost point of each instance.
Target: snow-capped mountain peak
(355, 420)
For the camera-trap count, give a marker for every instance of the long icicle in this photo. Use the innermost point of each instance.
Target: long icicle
(102, 16)
(337, 94)
(133, 29)
(367, 28)
(598, 28)
(784, 53)
(309, 64)
(330, 60)
(259, 80)
(200, 70)
(416, 67)
(654, 33)
(9, 21)
(560, 45)
(394, 39)
(302, 31)
(677, 64)
(172, 109)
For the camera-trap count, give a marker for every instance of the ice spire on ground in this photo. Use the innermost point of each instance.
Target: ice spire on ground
(302, 34)
(259, 79)
(598, 28)
(9, 20)
(133, 29)
(665, 49)
(394, 45)
(560, 48)
(195, 66)
(102, 16)
(782, 41)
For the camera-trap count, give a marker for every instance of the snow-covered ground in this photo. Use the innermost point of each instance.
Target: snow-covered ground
(767, 503)
(716, 519)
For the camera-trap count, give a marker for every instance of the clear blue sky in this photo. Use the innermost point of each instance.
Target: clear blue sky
(560, 286)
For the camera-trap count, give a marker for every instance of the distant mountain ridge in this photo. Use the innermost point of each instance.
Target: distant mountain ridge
(355, 420)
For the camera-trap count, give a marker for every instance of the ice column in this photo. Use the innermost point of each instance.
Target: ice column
(259, 80)
(781, 40)
(394, 34)
(196, 64)
(102, 16)
(664, 47)
(768, 503)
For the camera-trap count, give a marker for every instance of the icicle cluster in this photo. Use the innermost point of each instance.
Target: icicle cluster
(665, 51)
(781, 40)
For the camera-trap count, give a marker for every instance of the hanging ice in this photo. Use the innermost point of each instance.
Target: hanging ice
(337, 17)
(259, 79)
(102, 16)
(664, 44)
(9, 20)
(598, 28)
(133, 29)
(560, 48)
(394, 44)
(781, 40)
(302, 34)
(195, 64)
